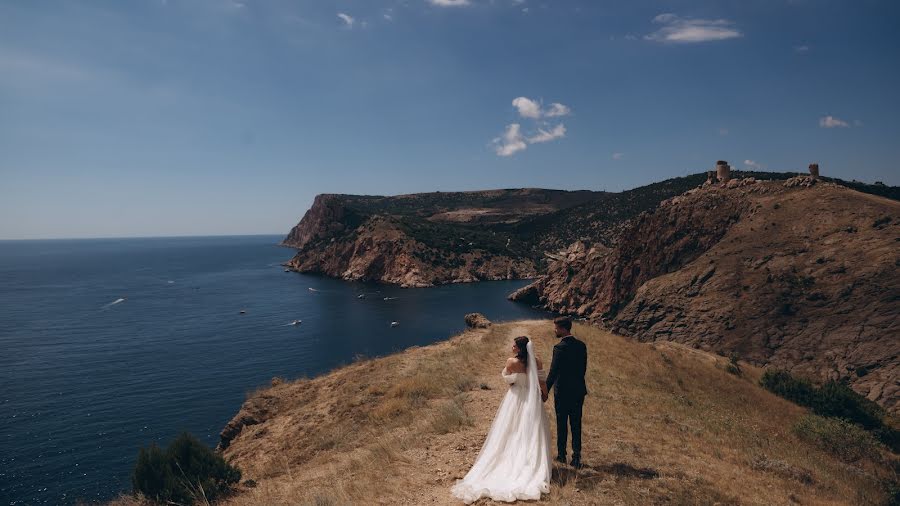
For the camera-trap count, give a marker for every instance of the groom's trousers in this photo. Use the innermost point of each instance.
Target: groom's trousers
(568, 413)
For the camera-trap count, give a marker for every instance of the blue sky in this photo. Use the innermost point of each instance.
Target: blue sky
(184, 117)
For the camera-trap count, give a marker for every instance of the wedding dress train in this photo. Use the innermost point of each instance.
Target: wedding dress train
(514, 463)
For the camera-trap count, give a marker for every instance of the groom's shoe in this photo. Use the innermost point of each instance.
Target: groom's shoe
(576, 463)
(561, 459)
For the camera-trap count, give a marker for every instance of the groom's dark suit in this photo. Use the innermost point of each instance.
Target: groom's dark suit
(566, 378)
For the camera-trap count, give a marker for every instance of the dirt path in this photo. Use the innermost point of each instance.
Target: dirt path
(448, 457)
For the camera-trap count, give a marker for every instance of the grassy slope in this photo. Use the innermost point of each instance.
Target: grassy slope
(663, 424)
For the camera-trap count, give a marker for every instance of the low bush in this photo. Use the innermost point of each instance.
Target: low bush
(834, 399)
(842, 439)
(186, 472)
(783, 384)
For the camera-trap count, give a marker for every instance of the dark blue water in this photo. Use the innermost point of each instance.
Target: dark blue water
(84, 382)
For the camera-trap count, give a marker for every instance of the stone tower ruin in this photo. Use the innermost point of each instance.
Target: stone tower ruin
(723, 171)
(814, 170)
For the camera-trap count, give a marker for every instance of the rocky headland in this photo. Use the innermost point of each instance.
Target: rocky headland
(428, 239)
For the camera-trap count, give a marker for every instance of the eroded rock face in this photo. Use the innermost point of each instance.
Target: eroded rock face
(801, 275)
(380, 251)
(255, 410)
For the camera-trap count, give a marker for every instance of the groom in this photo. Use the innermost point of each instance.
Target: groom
(566, 377)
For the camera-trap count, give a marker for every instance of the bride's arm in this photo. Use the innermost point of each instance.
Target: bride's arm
(507, 374)
(542, 379)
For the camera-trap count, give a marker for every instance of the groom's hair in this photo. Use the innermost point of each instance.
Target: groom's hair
(563, 322)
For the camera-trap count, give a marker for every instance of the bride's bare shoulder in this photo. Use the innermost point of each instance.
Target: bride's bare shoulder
(513, 365)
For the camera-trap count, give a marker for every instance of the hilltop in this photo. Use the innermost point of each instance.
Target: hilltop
(799, 274)
(664, 424)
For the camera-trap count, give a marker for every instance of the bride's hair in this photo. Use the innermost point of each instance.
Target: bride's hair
(522, 345)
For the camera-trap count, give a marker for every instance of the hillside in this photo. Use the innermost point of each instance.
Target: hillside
(427, 239)
(797, 274)
(434, 238)
(664, 424)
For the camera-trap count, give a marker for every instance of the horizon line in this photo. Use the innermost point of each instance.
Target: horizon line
(102, 238)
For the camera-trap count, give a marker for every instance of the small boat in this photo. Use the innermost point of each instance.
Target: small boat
(287, 270)
(311, 289)
(243, 311)
(361, 296)
(390, 298)
(395, 324)
(296, 322)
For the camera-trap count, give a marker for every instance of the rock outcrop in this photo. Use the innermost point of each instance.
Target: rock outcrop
(799, 274)
(477, 321)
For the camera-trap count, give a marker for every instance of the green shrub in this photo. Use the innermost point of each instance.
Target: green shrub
(186, 472)
(838, 400)
(843, 439)
(783, 384)
(733, 367)
(834, 399)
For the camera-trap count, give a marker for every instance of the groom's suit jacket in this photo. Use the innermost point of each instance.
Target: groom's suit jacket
(566, 375)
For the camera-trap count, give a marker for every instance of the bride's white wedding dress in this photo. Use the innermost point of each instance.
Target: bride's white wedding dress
(514, 462)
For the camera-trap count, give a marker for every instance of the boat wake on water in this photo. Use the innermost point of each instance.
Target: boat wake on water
(113, 303)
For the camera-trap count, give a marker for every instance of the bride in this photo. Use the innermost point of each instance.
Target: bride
(514, 462)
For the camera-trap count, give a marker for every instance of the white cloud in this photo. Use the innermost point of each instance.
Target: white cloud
(449, 3)
(723, 131)
(679, 30)
(527, 108)
(801, 49)
(514, 140)
(556, 109)
(532, 109)
(511, 142)
(753, 165)
(832, 122)
(618, 156)
(347, 19)
(557, 132)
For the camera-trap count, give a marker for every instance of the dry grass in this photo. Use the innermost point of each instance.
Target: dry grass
(664, 424)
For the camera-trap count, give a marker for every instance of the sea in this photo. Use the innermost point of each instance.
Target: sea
(108, 345)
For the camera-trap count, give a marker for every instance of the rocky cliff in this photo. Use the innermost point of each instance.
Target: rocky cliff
(799, 274)
(433, 238)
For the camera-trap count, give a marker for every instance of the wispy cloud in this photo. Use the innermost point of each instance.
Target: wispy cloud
(801, 49)
(511, 142)
(678, 30)
(832, 122)
(618, 156)
(750, 164)
(556, 109)
(450, 3)
(557, 132)
(348, 20)
(533, 109)
(723, 131)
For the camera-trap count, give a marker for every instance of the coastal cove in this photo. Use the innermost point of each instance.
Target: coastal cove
(113, 344)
